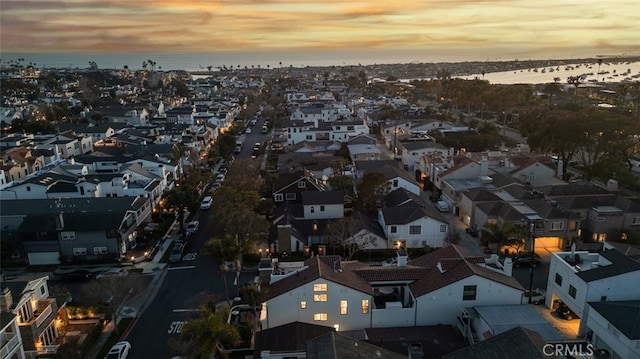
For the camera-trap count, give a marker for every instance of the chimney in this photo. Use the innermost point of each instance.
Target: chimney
(484, 166)
(6, 299)
(402, 257)
(508, 266)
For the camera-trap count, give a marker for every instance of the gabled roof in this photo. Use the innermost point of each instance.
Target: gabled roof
(320, 267)
(624, 315)
(368, 223)
(405, 207)
(286, 180)
(455, 267)
(518, 343)
(620, 264)
(458, 163)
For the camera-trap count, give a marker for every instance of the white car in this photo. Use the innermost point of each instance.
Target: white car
(248, 131)
(192, 227)
(206, 202)
(114, 272)
(120, 350)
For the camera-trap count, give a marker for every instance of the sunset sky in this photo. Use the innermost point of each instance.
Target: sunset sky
(480, 29)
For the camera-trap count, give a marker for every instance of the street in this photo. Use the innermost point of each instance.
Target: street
(186, 285)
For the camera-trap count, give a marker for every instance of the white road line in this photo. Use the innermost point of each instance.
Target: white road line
(183, 267)
(185, 310)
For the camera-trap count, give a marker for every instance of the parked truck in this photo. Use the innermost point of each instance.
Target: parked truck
(442, 206)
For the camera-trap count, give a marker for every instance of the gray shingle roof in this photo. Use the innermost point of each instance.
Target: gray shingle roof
(624, 315)
(518, 343)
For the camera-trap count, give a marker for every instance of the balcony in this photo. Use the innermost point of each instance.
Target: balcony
(9, 343)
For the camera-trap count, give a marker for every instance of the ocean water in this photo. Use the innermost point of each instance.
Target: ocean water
(615, 71)
(609, 72)
(199, 61)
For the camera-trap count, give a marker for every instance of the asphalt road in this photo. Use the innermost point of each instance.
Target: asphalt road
(185, 285)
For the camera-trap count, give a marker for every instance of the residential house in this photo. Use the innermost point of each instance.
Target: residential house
(410, 223)
(289, 186)
(579, 277)
(413, 151)
(50, 231)
(395, 176)
(66, 144)
(429, 290)
(36, 314)
(19, 162)
(323, 204)
(11, 345)
(613, 326)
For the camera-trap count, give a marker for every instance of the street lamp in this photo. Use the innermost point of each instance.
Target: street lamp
(234, 311)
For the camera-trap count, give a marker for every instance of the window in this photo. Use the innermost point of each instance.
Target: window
(365, 306)
(278, 197)
(320, 316)
(443, 228)
(635, 221)
(302, 184)
(469, 292)
(321, 208)
(395, 183)
(557, 226)
(320, 297)
(28, 188)
(572, 291)
(291, 196)
(99, 250)
(343, 307)
(558, 279)
(320, 287)
(80, 251)
(393, 229)
(303, 304)
(603, 298)
(573, 225)
(312, 210)
(42, 290)
(415, 229)
(309, 137)
(68, 236)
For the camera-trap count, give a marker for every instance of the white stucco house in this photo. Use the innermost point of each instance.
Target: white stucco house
(613, 326)
(578, 277)
(429, 290)
(407, 222)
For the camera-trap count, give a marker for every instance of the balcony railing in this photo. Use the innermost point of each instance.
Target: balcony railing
(43, 315)
(10, 342)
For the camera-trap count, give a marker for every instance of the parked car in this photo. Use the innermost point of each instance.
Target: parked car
(176, 253)
(120, 350)
(565, 312)
(248, 130)
(390, 262)
(192, 227)
(206, 202)
(536, 298)
(113, 272)
(78, 275)
(525, 261)
(220, 177)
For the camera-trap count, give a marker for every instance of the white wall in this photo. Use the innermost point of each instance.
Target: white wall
(620, 346)
(442, 306)
(403, 183)
(330, 211)
(286, 307)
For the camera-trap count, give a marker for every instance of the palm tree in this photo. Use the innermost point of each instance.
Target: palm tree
(496, 234)
(209, 334)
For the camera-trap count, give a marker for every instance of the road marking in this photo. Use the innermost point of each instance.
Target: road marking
(176, 327)
(183, 267)
(185, 310)
(190, 256)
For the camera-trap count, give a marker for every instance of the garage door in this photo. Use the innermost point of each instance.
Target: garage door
(548, 242)
(42, 258)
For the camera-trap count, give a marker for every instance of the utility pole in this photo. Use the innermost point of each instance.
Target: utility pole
(533, 250)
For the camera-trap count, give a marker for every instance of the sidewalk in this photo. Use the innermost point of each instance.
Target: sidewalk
(136, 305)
